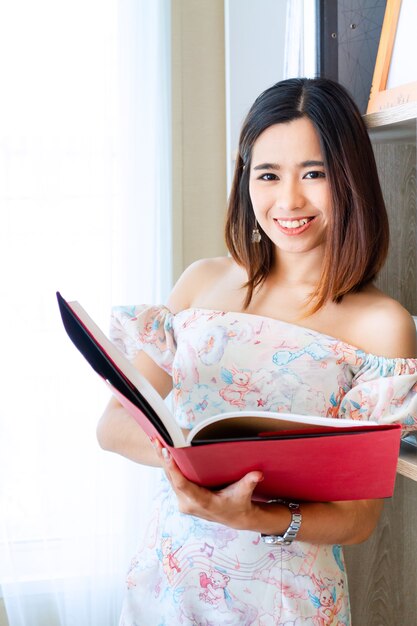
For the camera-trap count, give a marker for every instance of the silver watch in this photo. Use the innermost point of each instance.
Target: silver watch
(291, 533)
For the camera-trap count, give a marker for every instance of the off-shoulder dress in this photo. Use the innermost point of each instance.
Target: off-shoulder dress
(188, 571)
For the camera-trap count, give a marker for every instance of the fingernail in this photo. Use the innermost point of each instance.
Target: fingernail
(166, 454)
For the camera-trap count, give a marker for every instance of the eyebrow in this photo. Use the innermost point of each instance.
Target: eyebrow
(275, 166)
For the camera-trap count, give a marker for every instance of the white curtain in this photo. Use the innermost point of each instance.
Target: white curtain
(300, 53)
(85, 209)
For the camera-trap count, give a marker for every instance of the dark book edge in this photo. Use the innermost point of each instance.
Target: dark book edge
(105, 367)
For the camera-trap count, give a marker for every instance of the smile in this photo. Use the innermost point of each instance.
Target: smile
(294, 223)
(294, 227)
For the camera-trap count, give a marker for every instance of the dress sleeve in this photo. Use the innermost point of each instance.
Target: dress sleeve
(148, 328)
(383, 390)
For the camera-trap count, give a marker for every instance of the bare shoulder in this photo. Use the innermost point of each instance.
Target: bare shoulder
(198, 279)
(382, 326)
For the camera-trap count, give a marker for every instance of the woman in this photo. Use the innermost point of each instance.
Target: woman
(290, 322)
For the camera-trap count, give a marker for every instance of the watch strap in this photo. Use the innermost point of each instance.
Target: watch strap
(291, 533)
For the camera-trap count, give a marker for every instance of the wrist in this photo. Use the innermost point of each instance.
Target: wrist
(290, 534)
(270, 518)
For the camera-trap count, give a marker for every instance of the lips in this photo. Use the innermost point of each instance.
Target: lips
(292, 226)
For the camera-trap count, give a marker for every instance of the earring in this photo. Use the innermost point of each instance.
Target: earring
(256, 235)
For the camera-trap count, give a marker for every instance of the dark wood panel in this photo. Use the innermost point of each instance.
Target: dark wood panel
(397, 171)
(382, 572)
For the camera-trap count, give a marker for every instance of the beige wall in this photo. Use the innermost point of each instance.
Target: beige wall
(3, 617)
(41, 607)
(199, 130)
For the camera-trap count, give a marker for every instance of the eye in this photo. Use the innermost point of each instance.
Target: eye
(268, 176)
(314, 175)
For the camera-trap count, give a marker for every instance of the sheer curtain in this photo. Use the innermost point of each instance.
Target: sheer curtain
(300, 58)
(85, 209)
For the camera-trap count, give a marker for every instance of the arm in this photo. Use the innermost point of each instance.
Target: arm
(323, 523)
(118, 432)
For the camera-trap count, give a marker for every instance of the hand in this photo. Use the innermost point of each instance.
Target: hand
(231, 506)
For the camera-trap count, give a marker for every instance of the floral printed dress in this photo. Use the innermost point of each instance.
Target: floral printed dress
(188, 571)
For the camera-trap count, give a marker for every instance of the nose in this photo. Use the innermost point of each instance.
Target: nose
(289, 195)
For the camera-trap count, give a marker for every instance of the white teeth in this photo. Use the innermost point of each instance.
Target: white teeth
(293, 223)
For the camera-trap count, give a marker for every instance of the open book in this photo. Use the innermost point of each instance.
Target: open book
(302, 457)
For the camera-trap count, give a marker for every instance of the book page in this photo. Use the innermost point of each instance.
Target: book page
(244, 425)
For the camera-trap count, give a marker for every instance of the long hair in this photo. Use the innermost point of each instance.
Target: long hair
(358, 234)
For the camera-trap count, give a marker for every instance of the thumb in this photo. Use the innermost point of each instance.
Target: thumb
(248, 483)
(254, 477)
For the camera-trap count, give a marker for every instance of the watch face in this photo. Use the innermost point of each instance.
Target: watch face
(274, 540)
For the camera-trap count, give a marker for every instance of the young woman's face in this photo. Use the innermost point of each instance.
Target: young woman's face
(288, 186)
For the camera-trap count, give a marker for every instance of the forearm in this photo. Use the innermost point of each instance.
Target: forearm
(118, 432)
(323, 523)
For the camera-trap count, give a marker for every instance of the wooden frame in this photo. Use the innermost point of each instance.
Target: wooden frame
(382, 98)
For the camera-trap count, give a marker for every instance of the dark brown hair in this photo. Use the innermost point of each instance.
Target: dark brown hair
(358, 235)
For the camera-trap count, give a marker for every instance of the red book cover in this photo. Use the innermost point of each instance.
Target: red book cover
(310, 458)
(356, 463)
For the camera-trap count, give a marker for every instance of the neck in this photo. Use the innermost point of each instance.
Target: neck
(297, 269)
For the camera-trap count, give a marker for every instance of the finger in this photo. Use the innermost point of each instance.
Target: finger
(171, 468)
(157, 446)
(166, 462)
(245, 487)
(179, 481)
(162, 454)
(185, 489)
